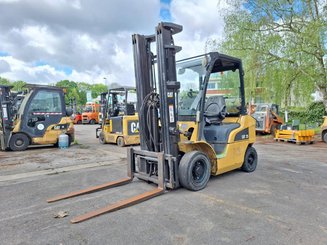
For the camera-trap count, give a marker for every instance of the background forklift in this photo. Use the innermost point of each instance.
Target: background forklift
(182, 147)
(267, 117)
(76, 116)
(324, 130)
(120, 123)
(37, 118)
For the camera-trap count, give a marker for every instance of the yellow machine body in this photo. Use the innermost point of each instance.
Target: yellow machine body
(124, 127)
(52, 132)
(234, 152)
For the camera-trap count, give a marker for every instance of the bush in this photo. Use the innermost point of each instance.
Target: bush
(312, 115)
(315, 113)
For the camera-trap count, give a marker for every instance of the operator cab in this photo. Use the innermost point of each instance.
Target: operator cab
(211, 95)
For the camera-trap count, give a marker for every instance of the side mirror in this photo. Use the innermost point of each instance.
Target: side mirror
(69, 112)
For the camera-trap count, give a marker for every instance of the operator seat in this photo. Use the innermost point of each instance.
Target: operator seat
(215, 131)
(130, 109)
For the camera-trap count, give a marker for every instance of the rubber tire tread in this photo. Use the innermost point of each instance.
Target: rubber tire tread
(120, 143)
(245, 167)
(102, 138)
(185, 170)
(23, 137)
(324, 136)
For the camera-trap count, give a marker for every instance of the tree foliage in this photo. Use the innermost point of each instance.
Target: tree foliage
(283, 47)
(79, 90)
(74, 90)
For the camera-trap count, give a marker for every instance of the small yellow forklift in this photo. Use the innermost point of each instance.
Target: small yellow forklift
(120, 124)
(36, 118)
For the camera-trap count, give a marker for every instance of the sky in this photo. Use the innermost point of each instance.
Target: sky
(45, 41)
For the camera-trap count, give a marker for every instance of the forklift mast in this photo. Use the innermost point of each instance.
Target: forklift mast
(152, 100)
(157, 161)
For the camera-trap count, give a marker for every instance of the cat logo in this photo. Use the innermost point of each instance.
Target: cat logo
(134, 127)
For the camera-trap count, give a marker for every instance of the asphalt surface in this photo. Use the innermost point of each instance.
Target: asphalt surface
(283, 202)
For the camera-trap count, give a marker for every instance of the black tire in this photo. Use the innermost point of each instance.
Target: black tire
(250, 160)
(92, 121)
(101, 138)
(194, 171)
(79, 122)
(120, 141)
(324, 136)
(19, 142)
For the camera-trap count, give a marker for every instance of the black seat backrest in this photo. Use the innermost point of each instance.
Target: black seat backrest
(130, 109)
(215, 109)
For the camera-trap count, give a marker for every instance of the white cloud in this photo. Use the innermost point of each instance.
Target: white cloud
(201, 20)
(92, 38)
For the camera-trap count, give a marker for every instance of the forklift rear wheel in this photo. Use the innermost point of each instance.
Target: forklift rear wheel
(120, 141)
(194, 171)
(79, 122)
(101, 138)
(19, 142)
(250, 160)
(324, 136)
(92, 121)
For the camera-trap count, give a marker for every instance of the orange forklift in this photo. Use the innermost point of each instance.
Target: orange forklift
(90, 113)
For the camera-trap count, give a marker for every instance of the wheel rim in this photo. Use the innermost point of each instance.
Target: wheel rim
(120, 141)
(19, 142)
(198, 171)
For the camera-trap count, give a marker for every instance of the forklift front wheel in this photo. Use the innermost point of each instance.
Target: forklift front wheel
(101, 138)
(120, 141)
(194, 171)
(92, 121)
(19, 142)
(250, 160)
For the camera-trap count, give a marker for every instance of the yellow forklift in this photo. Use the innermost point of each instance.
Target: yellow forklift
(36, 118)
(187, 130)
(119, 124)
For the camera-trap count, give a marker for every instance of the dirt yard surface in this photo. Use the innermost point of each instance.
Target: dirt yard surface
(283, 202)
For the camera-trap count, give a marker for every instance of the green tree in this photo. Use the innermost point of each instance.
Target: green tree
(97, 89)
(4, 81)
(71, 90)
(18, 85)
(283, 46)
